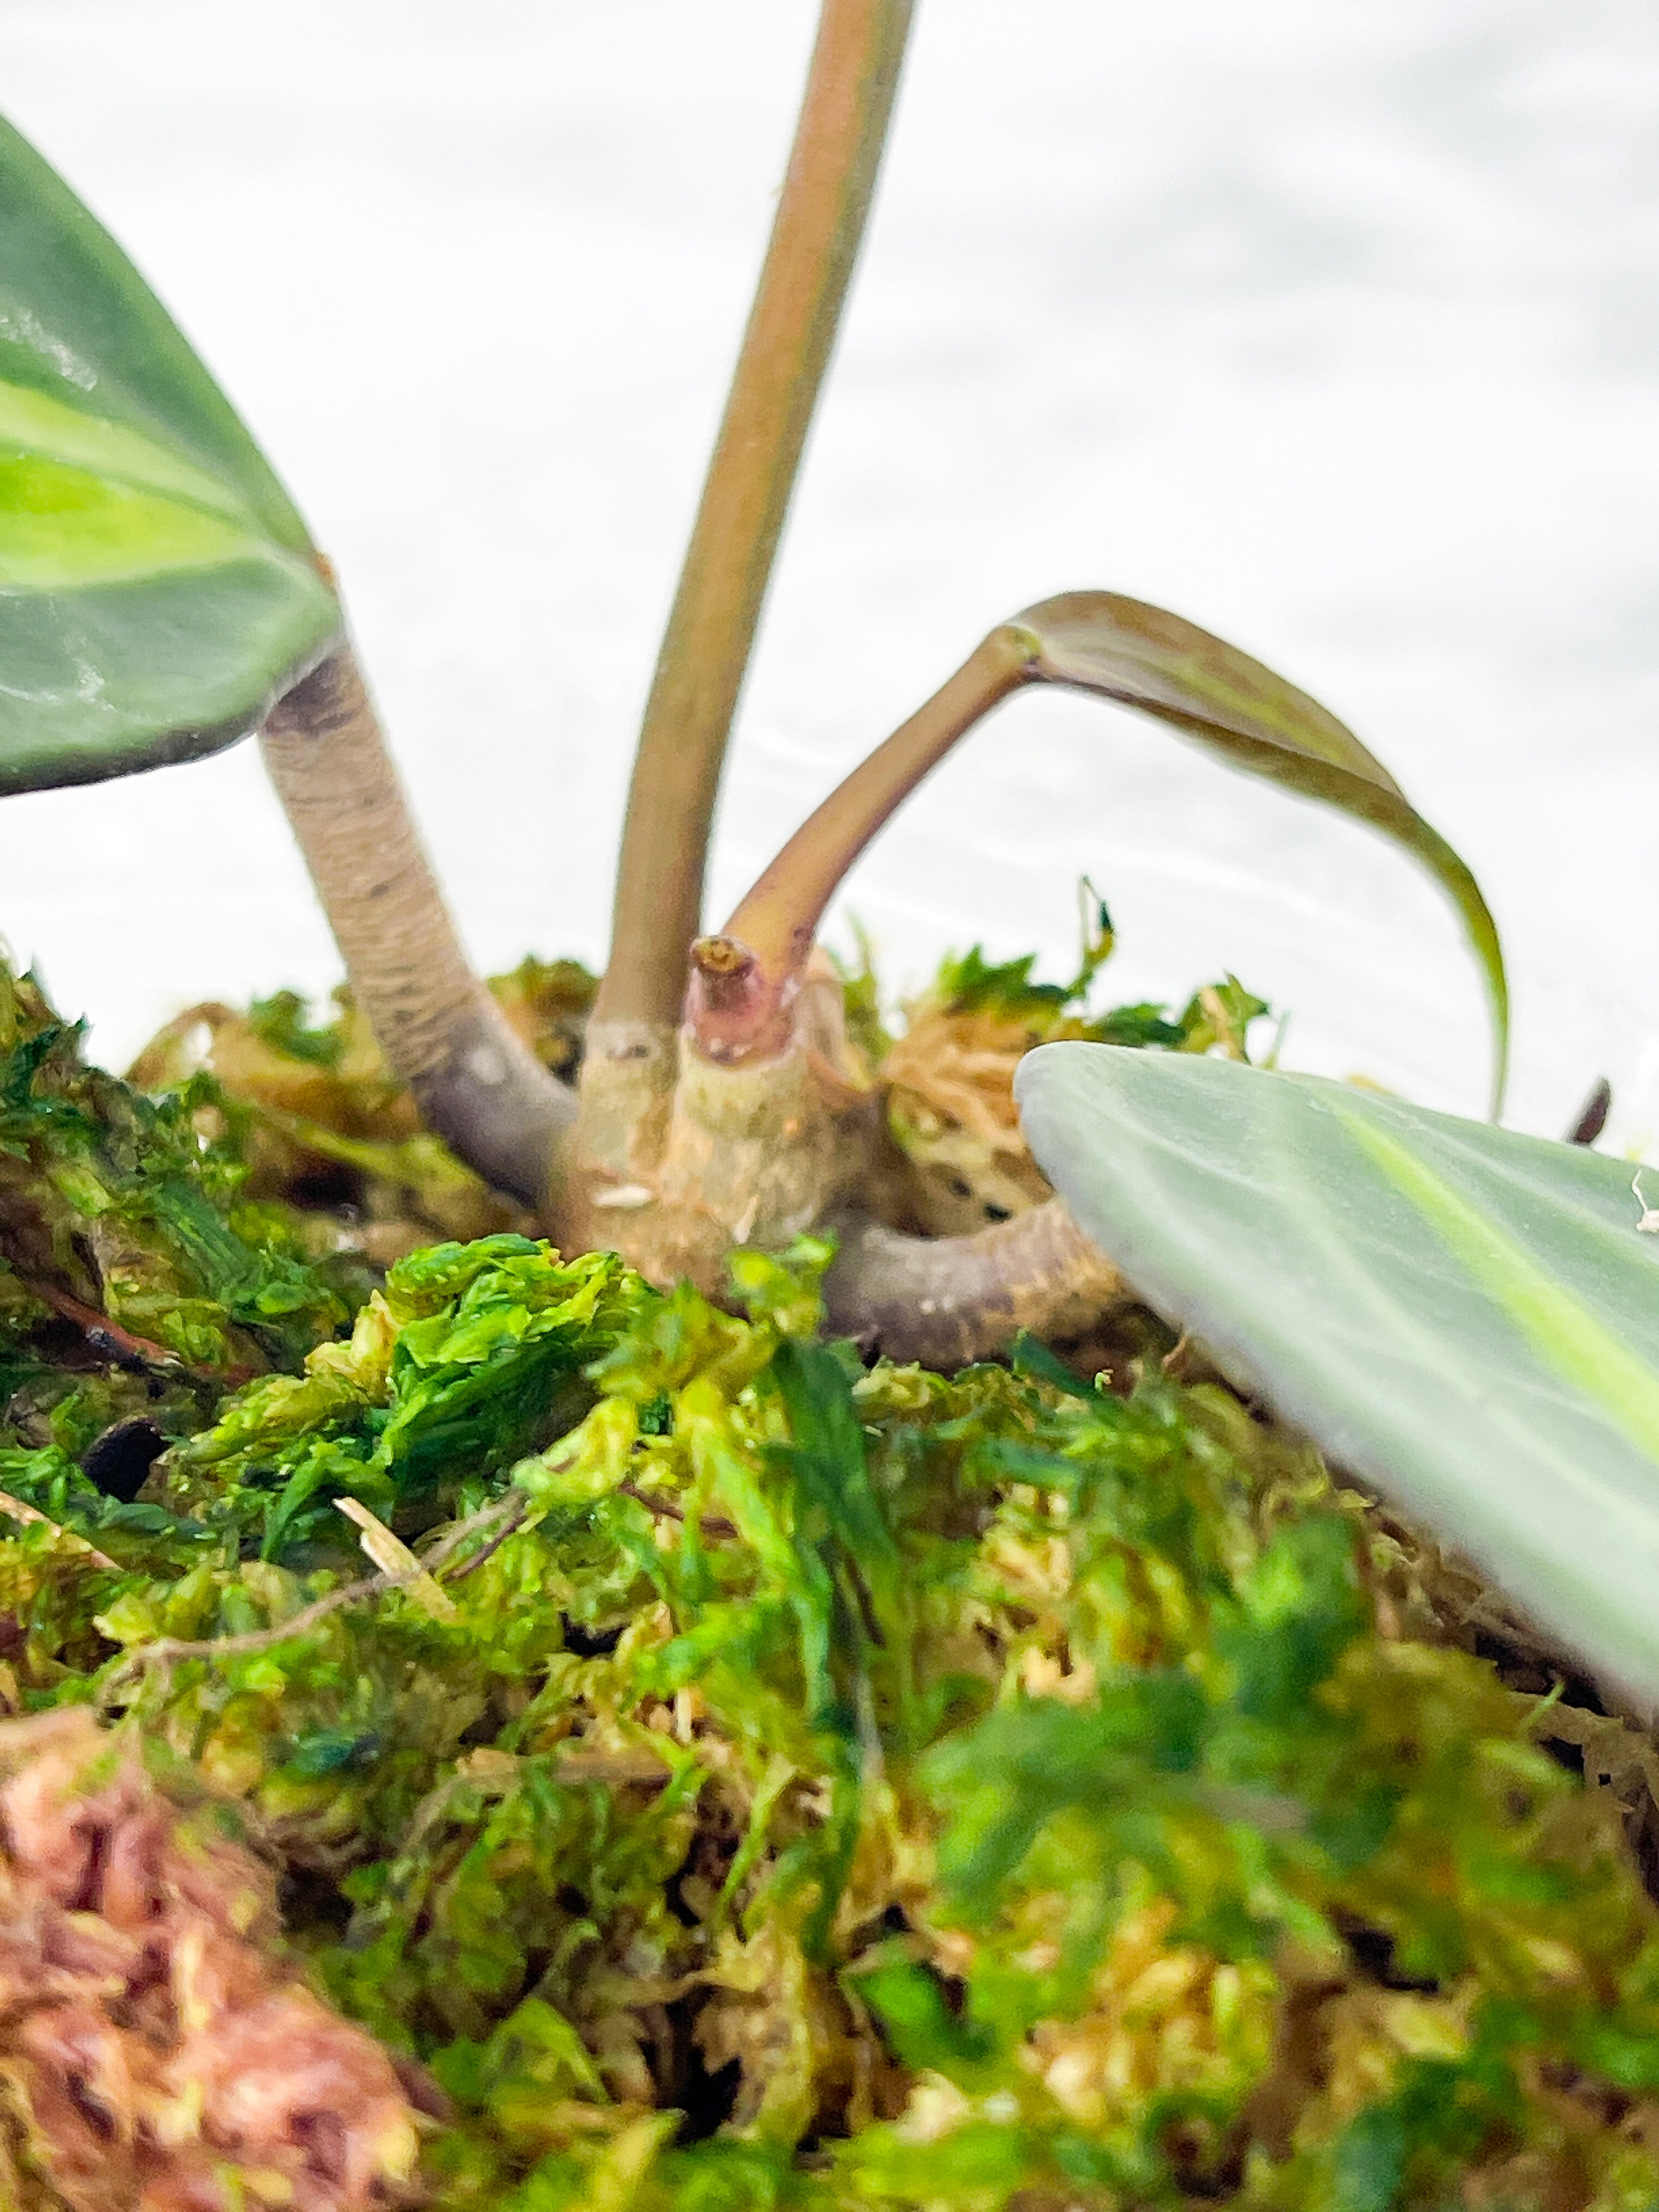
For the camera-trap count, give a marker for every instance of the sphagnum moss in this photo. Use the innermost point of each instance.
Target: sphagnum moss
(802, 1784)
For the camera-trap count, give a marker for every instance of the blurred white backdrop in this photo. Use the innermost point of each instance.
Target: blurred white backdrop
(1334, 328)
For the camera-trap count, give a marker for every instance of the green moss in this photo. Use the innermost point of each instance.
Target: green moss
(469, 1356)
(822, 1788)
(967, 983)
(961, 1792)
(130, 1206)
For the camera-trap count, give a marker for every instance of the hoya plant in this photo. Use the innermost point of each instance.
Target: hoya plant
(163, 598)
(491, 1725)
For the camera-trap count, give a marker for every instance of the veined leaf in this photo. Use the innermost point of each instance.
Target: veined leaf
(33, 422)
(63, 529)
(158, 590)
(1145, 658)
(1461, 1315)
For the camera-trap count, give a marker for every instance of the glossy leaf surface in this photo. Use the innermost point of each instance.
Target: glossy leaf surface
(1145, 658)
(1461, 1315)
(158, 590)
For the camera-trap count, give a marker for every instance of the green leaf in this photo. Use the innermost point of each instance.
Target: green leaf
(1461, 1315)
(1145, 658)
(158, 590)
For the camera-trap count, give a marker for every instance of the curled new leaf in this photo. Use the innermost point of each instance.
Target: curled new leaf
(1121, 649)
(1142, 657)
(158, 591)
(1460, 1314)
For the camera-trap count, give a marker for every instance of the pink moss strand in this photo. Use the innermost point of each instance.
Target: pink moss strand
(164, 2052)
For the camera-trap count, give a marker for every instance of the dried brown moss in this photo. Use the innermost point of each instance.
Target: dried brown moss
(157, 2053)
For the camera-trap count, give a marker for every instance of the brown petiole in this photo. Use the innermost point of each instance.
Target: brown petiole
(809, 258)
(773, 927)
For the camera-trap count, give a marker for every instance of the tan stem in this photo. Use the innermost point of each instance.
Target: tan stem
(809, 261)
(777, 919)
(475, 1082)
(949, 1300)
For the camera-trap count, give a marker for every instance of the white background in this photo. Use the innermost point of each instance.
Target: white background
(1331, 324)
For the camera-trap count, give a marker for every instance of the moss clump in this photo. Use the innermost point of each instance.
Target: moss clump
(125, 1210)
(748, 1780)
(822, 1787)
